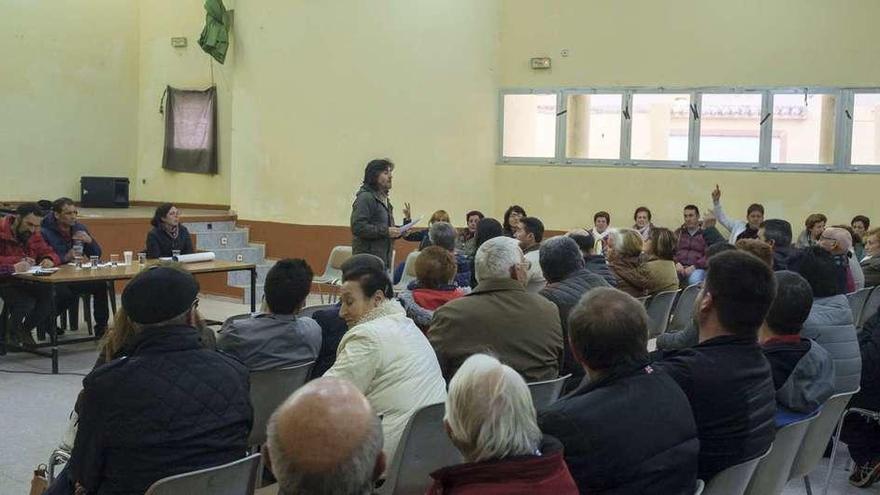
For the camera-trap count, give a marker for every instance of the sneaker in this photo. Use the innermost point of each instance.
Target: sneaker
(865, 475)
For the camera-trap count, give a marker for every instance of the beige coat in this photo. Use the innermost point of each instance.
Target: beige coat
(388, 358)
(520, 328)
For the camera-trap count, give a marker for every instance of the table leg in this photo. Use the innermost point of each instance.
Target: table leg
(53, 331)
(253, 290)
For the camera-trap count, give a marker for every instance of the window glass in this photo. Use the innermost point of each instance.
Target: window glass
(529, 126)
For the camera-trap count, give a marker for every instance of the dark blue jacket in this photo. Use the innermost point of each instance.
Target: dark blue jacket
(51, 231)
(332, 329)
(170, 407)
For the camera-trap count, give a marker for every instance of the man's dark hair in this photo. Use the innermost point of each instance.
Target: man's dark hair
(371, 280)
(755, 207)
(778, 231)
(487, 228)
(533, 226)
(362, 260)
(692, 207)
(608, 327)
(514, 208)
(642, 209)
(862, 218)
(160, 213)
(374, 169)
(792, 304)
(287, 285)
(817, 266)
(59, 204)
(742, 288)
(602, 214)
(718, 248)
(585, 242)
(559, 257)
(26, 209)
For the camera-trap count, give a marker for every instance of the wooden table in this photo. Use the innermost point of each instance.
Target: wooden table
(67, 274)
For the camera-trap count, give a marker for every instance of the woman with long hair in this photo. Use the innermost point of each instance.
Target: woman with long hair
(511, 219)
(168, 234)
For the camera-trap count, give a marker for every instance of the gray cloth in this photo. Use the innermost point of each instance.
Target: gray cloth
(191, 131)
(810, 384)
(830, 324)
(370, 219)
(267, 341)
(688, 337)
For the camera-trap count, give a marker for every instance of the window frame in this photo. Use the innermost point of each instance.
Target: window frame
(843, 128)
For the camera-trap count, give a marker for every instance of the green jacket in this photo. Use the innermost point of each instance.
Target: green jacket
(215, 37)
(370, 219)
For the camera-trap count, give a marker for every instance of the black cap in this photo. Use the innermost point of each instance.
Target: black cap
(159, 294)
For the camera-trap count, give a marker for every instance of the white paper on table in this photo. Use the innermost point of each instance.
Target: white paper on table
(406, 227)
(196, 257)
(36, 269)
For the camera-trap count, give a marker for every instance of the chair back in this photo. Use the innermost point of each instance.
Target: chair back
(701, 485)
(269, 388)
(311, 310)
(857, 301)
(820, 431)
(235, 478)
(333, 270)
(771, 474)
(683, 312)
(409, 271)
(424, 447)
(872, 304)
(546, 392)
(659, 309)
(735, 479)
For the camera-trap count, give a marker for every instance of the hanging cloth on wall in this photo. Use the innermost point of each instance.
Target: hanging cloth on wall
(190, 130)
(215, 37)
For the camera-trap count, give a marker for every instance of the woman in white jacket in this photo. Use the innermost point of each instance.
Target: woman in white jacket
(385, 354)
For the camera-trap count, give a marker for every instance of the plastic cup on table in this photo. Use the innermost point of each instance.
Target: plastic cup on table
(114, 260)
(77, 262)
(93, 261)
(142, 260)
(128, 255)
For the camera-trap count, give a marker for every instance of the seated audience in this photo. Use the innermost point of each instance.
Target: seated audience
(690, 336)
(167, 235)
(803, 372)
(609, 425)
(815, 224)
(860, 225)
(490, 418)
(276, 338)
(443, 234)
(830, 323)
(777, 234)
(592, 262)
(567, 282)
(487, 228)
(325, 438)
(434, 287)
(333, 327)
(710, 230)
(871, 261)
(658, 265)
(738, 229)
(499, 316)
(726, 377)
(384, 354)
(757, 247)
(511, 219)
(690, 252)
(863, 437)
(624, 253)
(838, 242)
(22, 247)
(169, 407)
(643, 225)
(422, 236)
(850, 257)
(467, 240)
(530, 233)
(601, 223)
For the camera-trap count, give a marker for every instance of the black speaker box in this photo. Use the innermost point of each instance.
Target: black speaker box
(104, 192)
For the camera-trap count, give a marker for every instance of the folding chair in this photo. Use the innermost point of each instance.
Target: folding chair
(409, 271)
(235, 478)
(683, 311)
(333, 270)
(270, 388)
(872, 304)
(735, 479)
(546, 392)
(771, 474)
(857, 301)
(659, 310)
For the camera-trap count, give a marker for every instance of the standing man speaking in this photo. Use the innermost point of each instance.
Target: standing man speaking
(372, 216)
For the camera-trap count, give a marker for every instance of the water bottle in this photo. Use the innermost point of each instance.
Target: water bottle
(78, 248)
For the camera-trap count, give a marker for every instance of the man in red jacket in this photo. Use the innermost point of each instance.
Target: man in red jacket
(21, 248)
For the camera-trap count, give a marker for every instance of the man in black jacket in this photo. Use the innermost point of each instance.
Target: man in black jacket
(777, 233)
(592, 261)
(169, 407)
(629, 430)
(567, 282)
(726, 377)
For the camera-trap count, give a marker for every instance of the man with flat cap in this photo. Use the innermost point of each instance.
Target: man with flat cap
(169, 407)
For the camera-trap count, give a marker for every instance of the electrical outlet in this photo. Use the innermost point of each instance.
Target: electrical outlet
(224, 241)
(239, 258)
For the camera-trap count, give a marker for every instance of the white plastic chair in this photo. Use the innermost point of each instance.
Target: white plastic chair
(659, 309)
(857, 301)
(771, 474)
(333, 271)
(735, 479)
(235, 478)
(409, 271)
(546, 392)
(683, 312)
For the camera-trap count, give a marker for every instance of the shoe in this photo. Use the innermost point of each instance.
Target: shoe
(865, 475)
(26, 338)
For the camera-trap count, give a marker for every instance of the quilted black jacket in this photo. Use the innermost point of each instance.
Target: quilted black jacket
(170, 407)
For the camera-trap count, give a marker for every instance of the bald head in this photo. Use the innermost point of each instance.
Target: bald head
(325, 438)
(835, 240)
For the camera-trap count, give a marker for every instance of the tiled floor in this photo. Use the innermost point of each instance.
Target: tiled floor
(34, 407)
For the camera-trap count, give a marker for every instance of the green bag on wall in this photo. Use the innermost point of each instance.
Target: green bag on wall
(215, 37)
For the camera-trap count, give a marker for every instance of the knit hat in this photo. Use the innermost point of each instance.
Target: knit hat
(159, 294)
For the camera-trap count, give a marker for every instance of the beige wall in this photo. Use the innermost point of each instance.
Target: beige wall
(68, 93)
(685, 43)
(160, 65)
(323, 87)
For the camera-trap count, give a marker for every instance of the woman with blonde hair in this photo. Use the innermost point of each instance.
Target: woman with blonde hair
(624, 253)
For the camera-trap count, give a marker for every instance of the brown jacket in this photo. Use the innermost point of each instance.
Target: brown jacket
(661, 275)
(521, 329)
(631, 277)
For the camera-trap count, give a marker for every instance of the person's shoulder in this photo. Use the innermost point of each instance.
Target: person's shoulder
(223, 358)
(108, 373)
